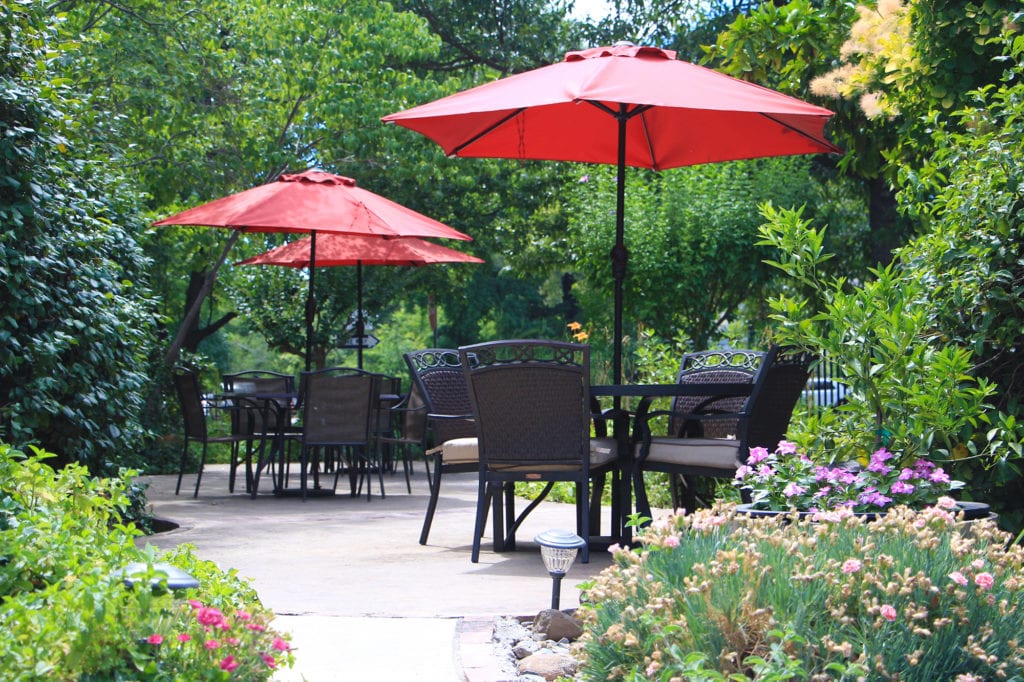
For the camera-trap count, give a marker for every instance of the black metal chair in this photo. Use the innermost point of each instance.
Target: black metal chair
(186, 383)
(339, 421)
(437, 376)
(406, 433)
(532, 411)
(256, 422)
(715, 437)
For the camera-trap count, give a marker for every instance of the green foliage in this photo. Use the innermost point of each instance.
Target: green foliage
(68, 615)
(910, 390)
(720, 596)
(77, 315)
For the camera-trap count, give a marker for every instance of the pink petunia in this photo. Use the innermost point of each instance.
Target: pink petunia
(958, 577)
(852, 565)
(155, 639)
(888, 612)
(280, 645)
(984, 580)
(229, 664)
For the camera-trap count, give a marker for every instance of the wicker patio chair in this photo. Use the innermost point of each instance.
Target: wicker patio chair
(532, 411)
(406, 432)
(251, 425)
(438, 378)
(339, 421)
(186, 383)
(716, 438)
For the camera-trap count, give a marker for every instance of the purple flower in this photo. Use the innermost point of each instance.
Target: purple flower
(907, 474)
(742, 471)
(901, 488)
(923, 467)
(757, 455)
(938, 476)
(765, 471)
(878, 461)
(875, 498)
(846, 478)
(793, 489)
(786, 448)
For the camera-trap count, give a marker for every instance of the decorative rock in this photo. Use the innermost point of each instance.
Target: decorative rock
(557, 626)
(547, 665)
(525, 648)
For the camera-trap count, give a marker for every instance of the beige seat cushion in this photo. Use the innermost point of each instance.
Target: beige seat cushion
(603, 451)
(457, 451)
(718, 453)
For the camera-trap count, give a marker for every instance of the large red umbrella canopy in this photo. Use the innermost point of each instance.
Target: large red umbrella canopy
(312, 201)
(347, 250)
(626, 105)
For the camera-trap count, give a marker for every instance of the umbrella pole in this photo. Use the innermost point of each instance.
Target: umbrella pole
(359, 313)
(619, 254)
(179, 340)
(310, 299)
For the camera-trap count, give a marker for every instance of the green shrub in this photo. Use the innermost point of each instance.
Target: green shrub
(67, 614)
(716, 595)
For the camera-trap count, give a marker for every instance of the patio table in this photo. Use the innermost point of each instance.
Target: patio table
(623, 427)
(274, 409)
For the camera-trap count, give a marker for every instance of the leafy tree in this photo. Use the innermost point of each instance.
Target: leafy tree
(77, 314)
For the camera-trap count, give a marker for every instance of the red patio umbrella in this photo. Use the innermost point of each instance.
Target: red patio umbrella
(312, 201)
(626, 105)
(339, 250)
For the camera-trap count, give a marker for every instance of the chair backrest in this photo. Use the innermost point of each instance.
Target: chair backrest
(437, 372)
(783, 376)
(339, 406)
(531, 402)
(390, 386)
(414, 416)
(256, 381)
(712, 367)
(186, 383)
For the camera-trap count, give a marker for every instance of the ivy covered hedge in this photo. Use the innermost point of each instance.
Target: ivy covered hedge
(67, 614)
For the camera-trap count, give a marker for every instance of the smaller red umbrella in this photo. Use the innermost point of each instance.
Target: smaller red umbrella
(340, 250)
(311, 201)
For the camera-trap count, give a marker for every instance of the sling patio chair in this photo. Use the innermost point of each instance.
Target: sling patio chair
(723, 436)
(254, 423)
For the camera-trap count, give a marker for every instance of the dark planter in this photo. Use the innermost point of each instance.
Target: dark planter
(972, 511)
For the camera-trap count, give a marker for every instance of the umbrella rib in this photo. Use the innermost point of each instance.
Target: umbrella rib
(486, 131)
(834, 149)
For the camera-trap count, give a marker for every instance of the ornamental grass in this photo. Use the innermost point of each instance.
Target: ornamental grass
(716, 595)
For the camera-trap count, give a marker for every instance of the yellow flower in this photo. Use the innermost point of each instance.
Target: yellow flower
(581, 336)
(574, 326)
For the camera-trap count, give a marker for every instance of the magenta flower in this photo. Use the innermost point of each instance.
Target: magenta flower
(280, 645)
(888, 612)
(243, 615)
(852, 566)
(155, 639)
(195, 603)
(211, 644)
(938, 476)
(901, 488)
(184, 637)
(229, 664)
(742, 471)
(984, 580)
(269, 660)
(793, 489)
(209, 616)
(786, 448)
(757, 455)
(958, 578)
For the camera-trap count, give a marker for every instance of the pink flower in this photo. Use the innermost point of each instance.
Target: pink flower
(233, 641)
(958, 578)
(742, 471)
(945, 502)
(184, 637)
(155, 639)
(852, 565)
(584, 178)
(195, 603)
(984, 580)
(269, 660)
(280, 645)
(756, 455)
(793, 489)
(672, 541)
(256, 627)
(209, 616)
(229, 664)
(243, 615)
(211, 644)
(786, 448)
(888, 612)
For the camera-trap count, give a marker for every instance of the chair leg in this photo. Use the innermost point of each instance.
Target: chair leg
(199, 474)
(687, 493)
(233, 467)
(181, 467)
(435, 490)
(481, 509)
(508, 537)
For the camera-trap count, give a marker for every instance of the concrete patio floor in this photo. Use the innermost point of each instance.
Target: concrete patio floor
(348, 578)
